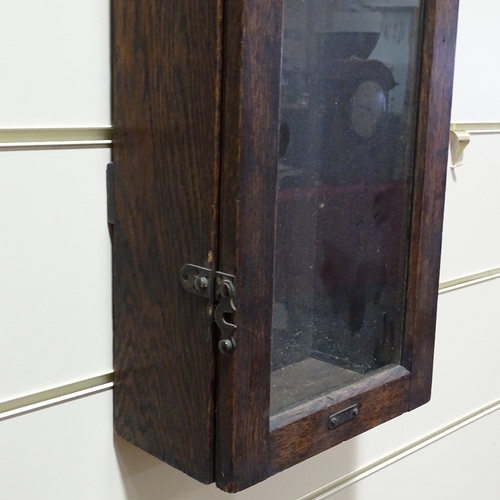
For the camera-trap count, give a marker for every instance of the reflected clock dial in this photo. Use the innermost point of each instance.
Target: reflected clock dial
(368, 105)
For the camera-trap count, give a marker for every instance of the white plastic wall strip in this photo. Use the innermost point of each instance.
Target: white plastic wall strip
(54, 138)
(473, 279)
(24, 146)
(103, 135)
(56, 395)
(477, 127)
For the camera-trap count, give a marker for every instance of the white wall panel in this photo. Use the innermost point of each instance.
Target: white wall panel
(55, 273)
(471, 235)
(475, 95)
(61, 453)
(55, 63)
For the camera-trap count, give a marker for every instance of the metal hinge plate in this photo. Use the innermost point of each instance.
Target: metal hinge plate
(200, 281)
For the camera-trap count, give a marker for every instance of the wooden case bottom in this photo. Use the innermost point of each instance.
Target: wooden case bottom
(303, 431)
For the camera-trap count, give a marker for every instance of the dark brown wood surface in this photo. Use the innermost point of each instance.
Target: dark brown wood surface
(438, 57)
(195, 110)
(166, 112)
(248, 164)
(303, 432)
(250, 132)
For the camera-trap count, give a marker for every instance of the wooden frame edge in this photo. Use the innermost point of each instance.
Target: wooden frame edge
(434, 108)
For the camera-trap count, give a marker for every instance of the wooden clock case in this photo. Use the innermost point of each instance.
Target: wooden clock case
(196, 127)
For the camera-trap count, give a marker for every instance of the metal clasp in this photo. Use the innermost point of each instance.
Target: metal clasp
(200, 281)
(225, 292)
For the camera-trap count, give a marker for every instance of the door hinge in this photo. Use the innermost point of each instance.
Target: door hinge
(220, 287)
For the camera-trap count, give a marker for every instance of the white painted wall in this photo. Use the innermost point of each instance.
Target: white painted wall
(55, 308)
(55, 63)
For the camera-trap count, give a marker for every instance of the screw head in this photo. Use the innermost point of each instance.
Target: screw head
(226, 346)
(333, 422)
(200, 283)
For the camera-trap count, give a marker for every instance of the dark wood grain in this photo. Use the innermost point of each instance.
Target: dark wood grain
(247, 207)
(195, 109)
(250, 132)
(303, 432)
(439, 39)
(166, 113)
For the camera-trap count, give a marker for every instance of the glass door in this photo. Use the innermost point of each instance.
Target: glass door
(345, 170)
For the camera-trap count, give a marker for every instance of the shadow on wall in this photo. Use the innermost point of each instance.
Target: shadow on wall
(147, 478)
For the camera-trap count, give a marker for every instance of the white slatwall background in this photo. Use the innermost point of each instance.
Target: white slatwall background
(55, 306)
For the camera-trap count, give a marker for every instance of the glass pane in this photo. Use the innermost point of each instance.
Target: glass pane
(347, 118)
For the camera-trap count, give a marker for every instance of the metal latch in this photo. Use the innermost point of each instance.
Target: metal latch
(200, 281)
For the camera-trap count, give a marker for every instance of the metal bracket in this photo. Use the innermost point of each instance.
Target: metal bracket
(342, 417)
(200, 281)
(459, 140)
(197, 280)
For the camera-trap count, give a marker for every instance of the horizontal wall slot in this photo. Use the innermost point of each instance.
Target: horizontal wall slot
(54, 138)
(40, 400)
(11, 138)
(472, 279)
(477, 127)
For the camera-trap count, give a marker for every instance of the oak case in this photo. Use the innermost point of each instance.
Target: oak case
(196, 111)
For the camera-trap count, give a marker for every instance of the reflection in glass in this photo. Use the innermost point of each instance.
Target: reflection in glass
(349, 72)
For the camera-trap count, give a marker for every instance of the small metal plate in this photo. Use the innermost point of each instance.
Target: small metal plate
(342, 417)
(197, 280)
